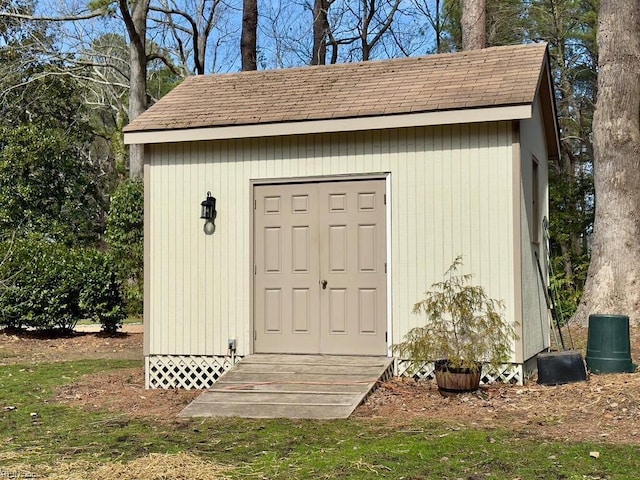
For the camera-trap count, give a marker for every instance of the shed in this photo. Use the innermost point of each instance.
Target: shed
(343, 192)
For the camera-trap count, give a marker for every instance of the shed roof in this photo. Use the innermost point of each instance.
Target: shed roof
(498, 76)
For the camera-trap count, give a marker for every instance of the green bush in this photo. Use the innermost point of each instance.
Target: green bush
(49, 286)
(124, 236)
(47, 187)
(100, 297)
(42, 287)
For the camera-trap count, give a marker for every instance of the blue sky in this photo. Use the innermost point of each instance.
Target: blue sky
(284, 32)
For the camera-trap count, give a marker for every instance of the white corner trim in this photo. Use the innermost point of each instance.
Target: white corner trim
(448, 117)
(389, 226)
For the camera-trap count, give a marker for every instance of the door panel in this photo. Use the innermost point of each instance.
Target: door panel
(301, 310)
(337, 248)
(367, 310)
(286, 290)
(273, 310)
(352, 221)
(320, 279)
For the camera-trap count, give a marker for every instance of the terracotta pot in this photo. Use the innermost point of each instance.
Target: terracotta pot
(452, 381)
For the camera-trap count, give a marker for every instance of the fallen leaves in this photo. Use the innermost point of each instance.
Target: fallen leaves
(605, 408)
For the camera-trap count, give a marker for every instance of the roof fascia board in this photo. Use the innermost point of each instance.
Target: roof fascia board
(448, 117)
(552, 129)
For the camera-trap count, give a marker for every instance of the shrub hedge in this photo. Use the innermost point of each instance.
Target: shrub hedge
(124, 236)
(49, 286)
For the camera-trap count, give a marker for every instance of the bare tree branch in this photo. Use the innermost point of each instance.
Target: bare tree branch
(70, 18)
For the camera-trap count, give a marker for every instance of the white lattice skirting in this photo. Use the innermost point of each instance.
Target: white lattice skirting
(185, 371)
(199, 372)
(508, 373)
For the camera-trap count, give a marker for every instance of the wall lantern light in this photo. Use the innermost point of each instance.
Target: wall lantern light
(208, 214)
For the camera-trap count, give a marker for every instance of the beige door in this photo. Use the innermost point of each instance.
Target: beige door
(319, 273)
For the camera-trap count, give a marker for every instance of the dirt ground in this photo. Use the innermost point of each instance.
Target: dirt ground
(606, 408)
(32, 347)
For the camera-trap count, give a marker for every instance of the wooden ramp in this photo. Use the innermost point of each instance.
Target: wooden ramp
(292, 386)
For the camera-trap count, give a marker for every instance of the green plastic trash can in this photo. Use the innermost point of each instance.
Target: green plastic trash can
(609, 345)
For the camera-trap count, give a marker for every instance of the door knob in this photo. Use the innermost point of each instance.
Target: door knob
(324, 284)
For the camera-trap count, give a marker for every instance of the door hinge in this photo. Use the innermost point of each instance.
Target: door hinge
(385, 198)
(385, 267)
(386, 336)
(255, 270)
(255, 204)
(255, 335)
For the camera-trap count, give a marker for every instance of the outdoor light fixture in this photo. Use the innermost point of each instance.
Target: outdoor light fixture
(208, 214)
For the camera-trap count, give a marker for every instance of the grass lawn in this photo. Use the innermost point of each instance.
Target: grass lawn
(278, 449)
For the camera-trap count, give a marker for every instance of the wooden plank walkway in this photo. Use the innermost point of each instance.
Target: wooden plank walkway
(292, 386)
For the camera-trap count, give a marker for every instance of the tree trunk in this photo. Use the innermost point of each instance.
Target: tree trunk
(320, 32)
(136, 23)
(248, 40)
(437, 27)
(369, 12)
(473, 23)
(613, 280)
(200, 54)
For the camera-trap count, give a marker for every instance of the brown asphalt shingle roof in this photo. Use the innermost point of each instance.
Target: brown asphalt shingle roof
(497, 76)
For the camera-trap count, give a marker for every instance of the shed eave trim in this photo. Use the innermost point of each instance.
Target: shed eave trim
(448, 117)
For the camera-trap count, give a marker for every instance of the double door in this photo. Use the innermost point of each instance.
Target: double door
(320, 268)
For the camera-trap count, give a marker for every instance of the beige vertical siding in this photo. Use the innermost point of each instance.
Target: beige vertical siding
(451, 193)
(535, 321)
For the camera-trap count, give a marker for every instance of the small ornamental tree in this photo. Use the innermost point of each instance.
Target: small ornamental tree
(462, 326)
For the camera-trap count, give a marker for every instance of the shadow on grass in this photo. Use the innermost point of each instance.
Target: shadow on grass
(57, 333)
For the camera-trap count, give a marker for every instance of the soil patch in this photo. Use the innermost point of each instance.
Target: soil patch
(122, 392)
(36, 347)
(605, 408)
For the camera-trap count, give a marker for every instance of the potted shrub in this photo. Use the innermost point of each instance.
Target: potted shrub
(463, 329)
